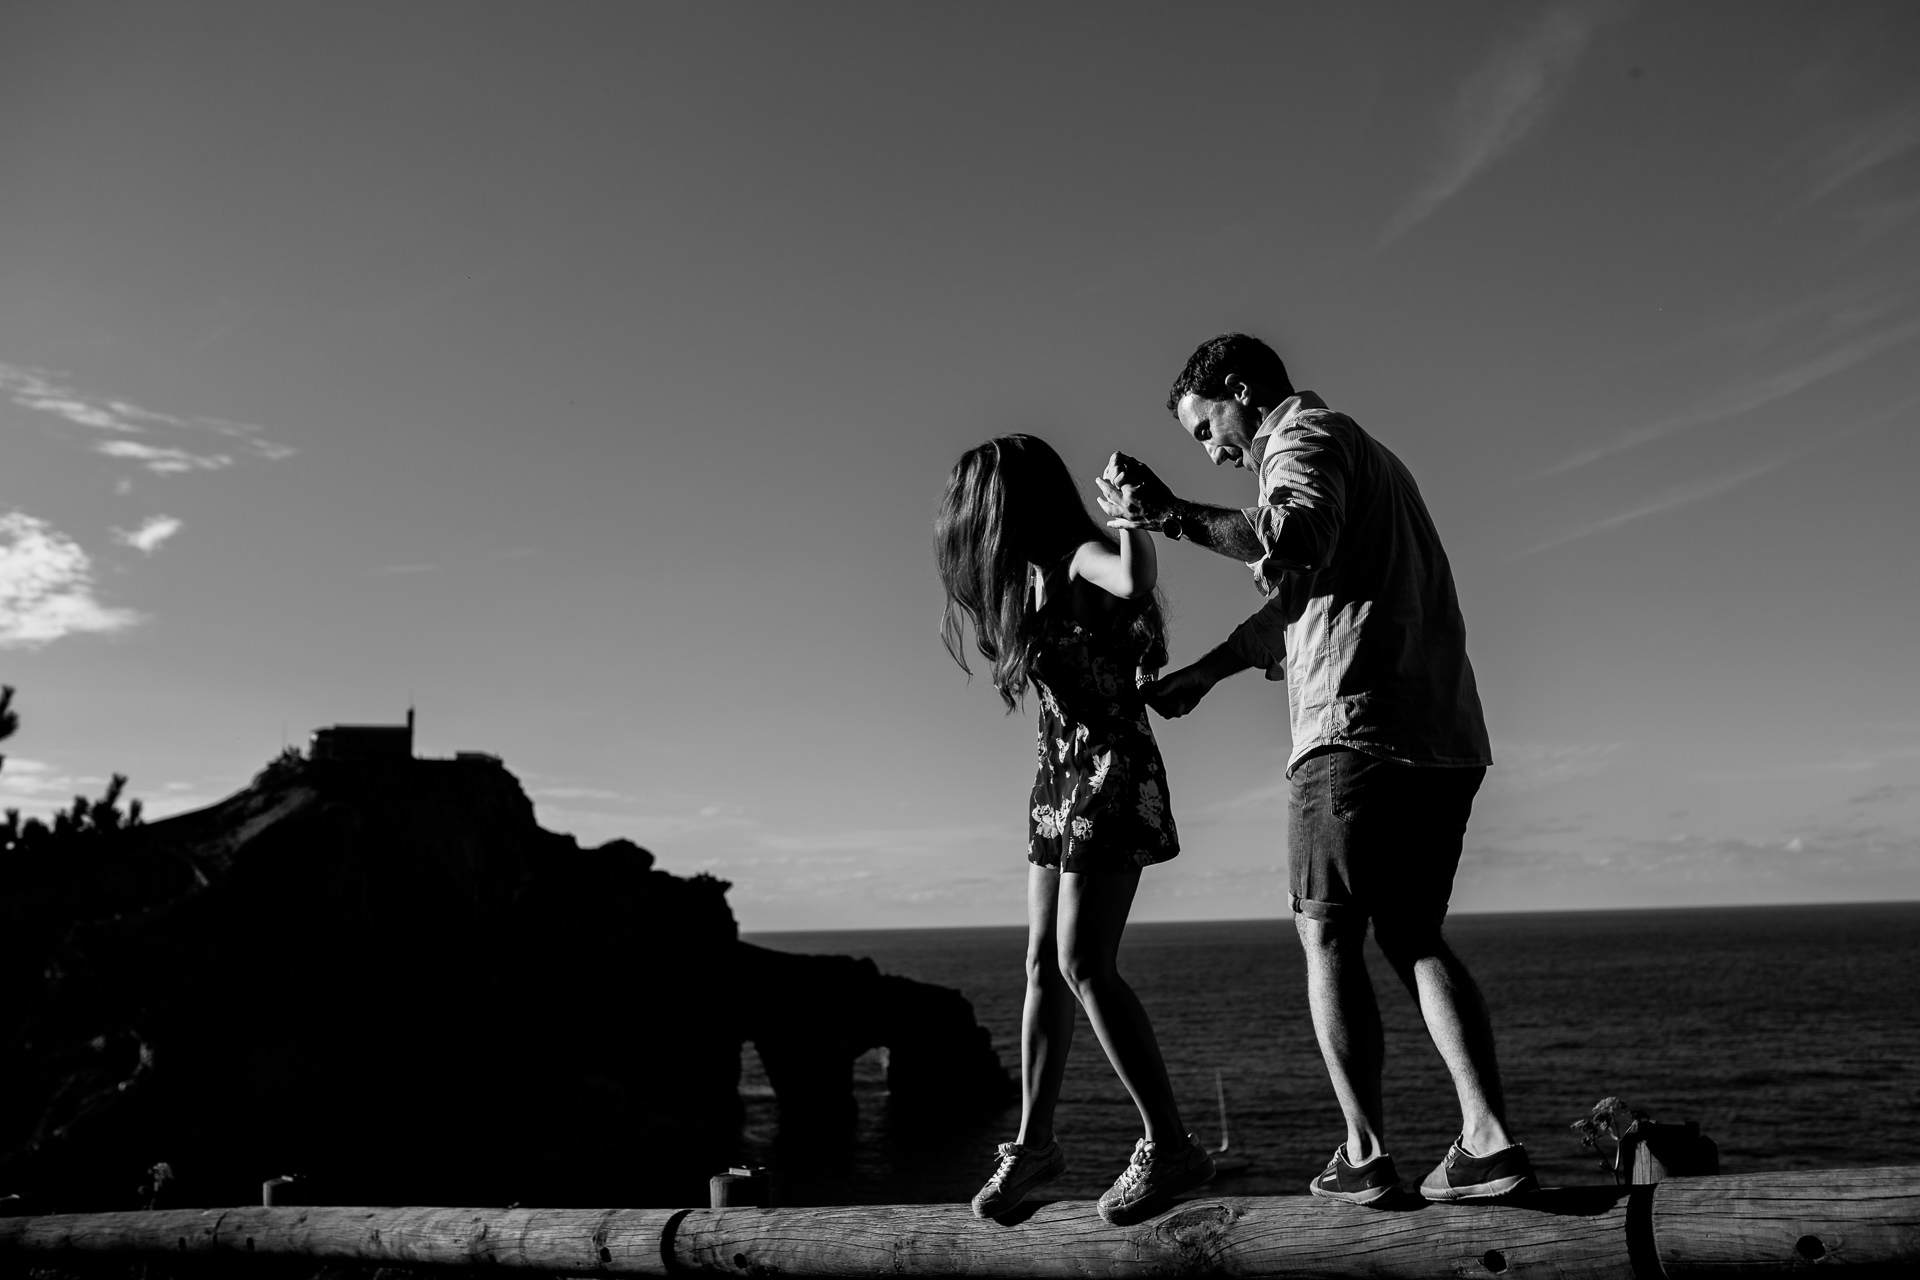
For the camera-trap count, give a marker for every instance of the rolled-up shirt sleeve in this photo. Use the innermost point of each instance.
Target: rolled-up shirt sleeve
(1303, 493)
(1261, 641)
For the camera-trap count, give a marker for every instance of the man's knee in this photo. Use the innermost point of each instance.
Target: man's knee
(1405, 940)
(1337, 936)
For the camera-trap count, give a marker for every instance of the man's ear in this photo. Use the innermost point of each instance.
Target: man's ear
(1237, 389)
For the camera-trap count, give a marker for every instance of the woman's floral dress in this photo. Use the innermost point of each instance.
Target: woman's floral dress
(1100, 799)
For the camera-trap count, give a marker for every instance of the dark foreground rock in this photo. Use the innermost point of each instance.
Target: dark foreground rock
(390, 980)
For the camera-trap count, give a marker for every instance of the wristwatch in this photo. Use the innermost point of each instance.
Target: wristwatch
(1173, 527)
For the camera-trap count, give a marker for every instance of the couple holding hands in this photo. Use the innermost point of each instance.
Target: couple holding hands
(1389, 748)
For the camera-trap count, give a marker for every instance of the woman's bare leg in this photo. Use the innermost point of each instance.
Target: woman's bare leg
(1046, 1022)
(1092, 914)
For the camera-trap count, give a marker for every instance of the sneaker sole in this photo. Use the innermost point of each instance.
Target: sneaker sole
(1152, 1207)
(1483, 1190)
(989, 1209)
(1350, 1197)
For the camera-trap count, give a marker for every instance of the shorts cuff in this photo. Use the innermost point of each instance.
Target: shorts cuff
(1331, 912)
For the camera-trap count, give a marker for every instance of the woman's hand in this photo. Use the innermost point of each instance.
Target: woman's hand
(1131, 493)
(1178, 692)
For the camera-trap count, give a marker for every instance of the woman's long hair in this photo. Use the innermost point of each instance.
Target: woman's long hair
(1009, 503)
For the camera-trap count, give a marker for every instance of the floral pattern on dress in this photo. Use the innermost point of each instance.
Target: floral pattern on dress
(1099, 797)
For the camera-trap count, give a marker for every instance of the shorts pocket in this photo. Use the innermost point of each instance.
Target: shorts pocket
(1356, 783)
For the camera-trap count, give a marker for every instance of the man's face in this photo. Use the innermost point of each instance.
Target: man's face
(1224, 428)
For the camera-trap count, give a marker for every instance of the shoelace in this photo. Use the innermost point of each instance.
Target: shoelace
(1008, 1158)
(1136, 1168)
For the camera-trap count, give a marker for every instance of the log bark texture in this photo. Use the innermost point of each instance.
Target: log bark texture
(1865, 1221)
(569, 1240)
(1572, 1235)
(1765, 1223)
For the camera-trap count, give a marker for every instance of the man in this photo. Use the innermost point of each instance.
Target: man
(1389, 746)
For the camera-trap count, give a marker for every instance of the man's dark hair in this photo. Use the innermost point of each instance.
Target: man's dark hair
(1237, 354)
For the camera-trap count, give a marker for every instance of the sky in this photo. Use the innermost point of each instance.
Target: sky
(586, 377)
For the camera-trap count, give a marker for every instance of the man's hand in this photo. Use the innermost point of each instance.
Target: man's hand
(1178, 692)
(1133, 495)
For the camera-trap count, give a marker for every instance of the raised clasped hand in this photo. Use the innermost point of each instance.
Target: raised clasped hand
(1131, 493)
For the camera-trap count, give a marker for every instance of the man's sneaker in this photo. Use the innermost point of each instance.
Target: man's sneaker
(1157, 1173)
(1356, 1184)
(1016, 1171)
(1467, 1177)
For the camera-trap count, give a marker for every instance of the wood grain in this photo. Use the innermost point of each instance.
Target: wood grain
(574, 1240)
(1860, 1220)
(1568, 1235)
(1766, 1223)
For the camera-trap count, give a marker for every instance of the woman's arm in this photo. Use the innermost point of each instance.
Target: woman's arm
(1128, 573)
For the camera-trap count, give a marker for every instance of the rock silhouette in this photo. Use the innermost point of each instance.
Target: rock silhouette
(384, 976)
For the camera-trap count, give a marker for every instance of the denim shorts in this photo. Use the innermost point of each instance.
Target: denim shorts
(1369, 838)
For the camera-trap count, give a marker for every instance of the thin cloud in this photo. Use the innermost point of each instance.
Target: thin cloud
(1743, 398)
(1497, 107)
(36, 787)
(1533, 766)
(160, 460)
(1881, 219)
(46, 586)
(1874, 144)
(151, 533)
(1682, 495)
(46, 392)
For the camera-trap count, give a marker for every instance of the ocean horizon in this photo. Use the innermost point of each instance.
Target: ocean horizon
(1790, 1033)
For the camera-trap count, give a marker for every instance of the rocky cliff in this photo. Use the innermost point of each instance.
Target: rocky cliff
(389, 979)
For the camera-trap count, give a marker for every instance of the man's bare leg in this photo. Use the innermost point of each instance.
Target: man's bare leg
(1346, 1020)
(1462, 1029)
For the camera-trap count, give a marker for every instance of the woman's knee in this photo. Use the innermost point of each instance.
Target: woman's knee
(1043, 966)
(1086, 971)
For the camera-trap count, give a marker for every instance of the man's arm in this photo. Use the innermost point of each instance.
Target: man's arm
(1139, 499)
(1260, 641)
(1179, 692)
(1224, 530)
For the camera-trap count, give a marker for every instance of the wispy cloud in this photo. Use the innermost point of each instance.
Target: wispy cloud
(46, 586)
(151, 533)
(1679, 495)
(1533, 766)
(1745, 397)
(1498, 105)
(1872, 144)
(1884, 217)
(1693, 491)
(162, 460)
(44, 391)
(37, 788)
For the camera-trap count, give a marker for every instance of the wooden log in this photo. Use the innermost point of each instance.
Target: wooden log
(1864, 1220)
(1569, 1235)
(572, 1240)
(1763, 1223)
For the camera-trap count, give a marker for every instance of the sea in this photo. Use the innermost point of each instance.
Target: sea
(1790, 1034)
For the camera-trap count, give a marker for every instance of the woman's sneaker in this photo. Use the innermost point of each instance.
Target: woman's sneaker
(1016, 1171)
(1469, 1177)
(1157, 1173)
(1356, 1184)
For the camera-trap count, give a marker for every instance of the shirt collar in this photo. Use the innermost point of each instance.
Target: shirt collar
(1280, 419)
